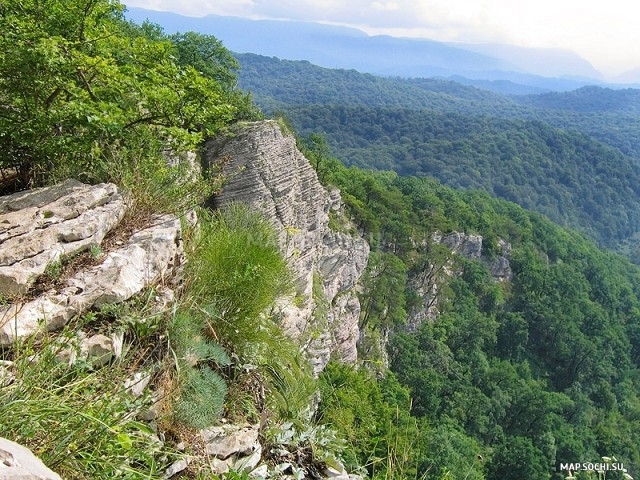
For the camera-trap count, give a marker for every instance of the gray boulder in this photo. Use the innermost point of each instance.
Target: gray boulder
(18, 463)
(38, 227)
(148, 256)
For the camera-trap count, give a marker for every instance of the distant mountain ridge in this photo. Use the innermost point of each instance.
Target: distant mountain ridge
(527, 70)
(549, 62)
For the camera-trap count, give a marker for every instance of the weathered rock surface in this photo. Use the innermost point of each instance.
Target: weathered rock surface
(38, 227)
(44, 224)
(232, 447)
(265, 169)
(426, 282)
(470, 246)
(18, 463)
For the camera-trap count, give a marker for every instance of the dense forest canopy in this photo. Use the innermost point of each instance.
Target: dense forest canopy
(567, 176)
(529, 373)
(571, 156)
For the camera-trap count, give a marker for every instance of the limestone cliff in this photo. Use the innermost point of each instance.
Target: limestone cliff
(426, 282)
(264, 168)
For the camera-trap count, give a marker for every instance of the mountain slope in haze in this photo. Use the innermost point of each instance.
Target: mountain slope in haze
(548, 62)
(278, 83)
(629, 77)
(342, 47)
(608, 115)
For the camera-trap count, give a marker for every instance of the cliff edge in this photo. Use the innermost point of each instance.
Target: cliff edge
(264, 168)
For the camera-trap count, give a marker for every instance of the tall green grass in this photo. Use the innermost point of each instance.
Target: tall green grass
(81, 421)
(236, 273)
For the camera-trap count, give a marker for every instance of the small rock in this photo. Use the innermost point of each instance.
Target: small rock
(67, 355)
(149, 415)
(222, 442)
(19, 463)
(248, 463)
(154, 410)
(117, 341)
(336, 474)
(259, 473)
(164, 297)
(136, 384)
(191, 218)
(218, 466)
(98, 349)
(177, 467)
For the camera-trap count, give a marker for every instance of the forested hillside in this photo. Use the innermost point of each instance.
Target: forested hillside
(572, 156)
(569, 177)
(526, 374)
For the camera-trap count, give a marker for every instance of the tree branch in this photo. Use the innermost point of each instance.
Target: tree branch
(86, 84)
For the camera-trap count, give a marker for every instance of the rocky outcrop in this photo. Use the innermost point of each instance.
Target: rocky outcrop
(426, 283)
(38, 227)
(470, 246)
(18, 463)
(41, 227)
(265, 169)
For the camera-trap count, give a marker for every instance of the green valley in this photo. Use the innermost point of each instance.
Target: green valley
(578, 168)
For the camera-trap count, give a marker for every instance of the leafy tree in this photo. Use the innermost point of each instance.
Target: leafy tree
(518, 458)
(385, 279)
(80, 88)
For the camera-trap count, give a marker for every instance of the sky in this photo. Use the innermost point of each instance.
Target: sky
(605, 33)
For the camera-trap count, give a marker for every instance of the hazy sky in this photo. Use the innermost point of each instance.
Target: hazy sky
(605, 32)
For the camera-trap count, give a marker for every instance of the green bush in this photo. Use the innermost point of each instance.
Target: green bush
(202, 391)
(373, 417)
(236, 272)
(86, 91)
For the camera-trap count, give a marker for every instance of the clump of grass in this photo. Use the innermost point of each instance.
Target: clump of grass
(53, 270)
(80, 421)
(236, 272)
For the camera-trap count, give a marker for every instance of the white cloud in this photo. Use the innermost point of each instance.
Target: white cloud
(386, 6)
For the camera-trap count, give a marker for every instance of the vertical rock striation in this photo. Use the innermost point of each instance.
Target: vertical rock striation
(265, 169)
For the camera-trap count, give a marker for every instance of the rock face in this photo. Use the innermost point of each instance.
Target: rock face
(426, 282)
(39, 226)
(470, 246)
(265, 169)
(18, 463)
